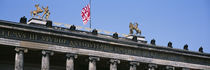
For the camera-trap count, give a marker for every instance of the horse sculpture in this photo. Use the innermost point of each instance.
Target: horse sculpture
(46, 12)
(37, 11)
(132, 27)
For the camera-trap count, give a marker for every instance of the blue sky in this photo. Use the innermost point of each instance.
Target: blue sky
(179, 21)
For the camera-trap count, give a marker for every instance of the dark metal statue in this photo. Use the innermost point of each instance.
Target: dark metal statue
(201, 49)
(134, 27)
(170, 44)
(185, 47)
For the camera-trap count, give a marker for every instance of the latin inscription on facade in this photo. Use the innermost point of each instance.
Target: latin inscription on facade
(43, 38)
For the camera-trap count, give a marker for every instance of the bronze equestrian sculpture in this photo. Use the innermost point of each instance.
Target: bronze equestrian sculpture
(134, 27)
(46, 12)
(37, 11)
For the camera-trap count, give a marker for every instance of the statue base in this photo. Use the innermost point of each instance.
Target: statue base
(139, 38)
(40, 22)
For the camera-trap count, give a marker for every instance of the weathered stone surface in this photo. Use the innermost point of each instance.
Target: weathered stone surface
(64, 49)
(92, 62)
(70, 61)
(141, 51)
(46, 60)
(19, 58)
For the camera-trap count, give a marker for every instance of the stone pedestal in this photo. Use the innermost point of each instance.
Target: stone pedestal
(139, 38)
(40, 22)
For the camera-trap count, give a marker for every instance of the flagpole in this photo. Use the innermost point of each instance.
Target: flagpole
(90, 13)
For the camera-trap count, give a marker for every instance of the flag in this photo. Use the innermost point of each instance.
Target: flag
(85, 13)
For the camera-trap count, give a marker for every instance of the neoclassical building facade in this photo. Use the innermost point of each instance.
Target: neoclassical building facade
(33, 47)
